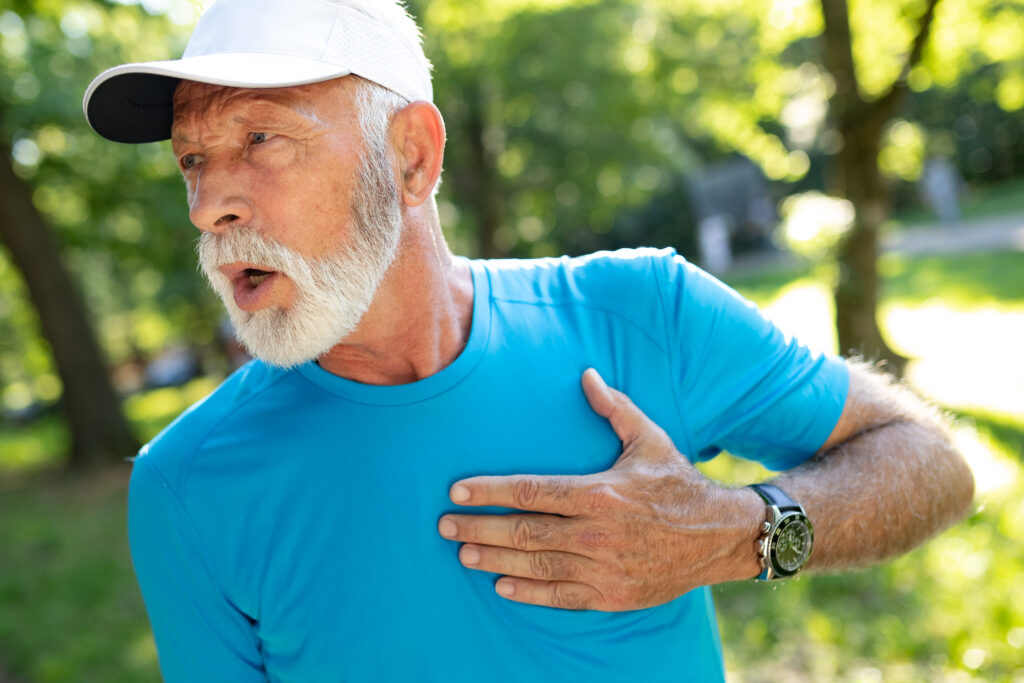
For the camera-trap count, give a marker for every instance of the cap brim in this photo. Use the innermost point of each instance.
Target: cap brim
(133, 103)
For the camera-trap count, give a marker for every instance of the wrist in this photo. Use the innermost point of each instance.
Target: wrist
(787, 535)
(748, 511)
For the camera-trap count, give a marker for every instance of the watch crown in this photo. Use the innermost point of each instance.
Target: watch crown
(766, 526)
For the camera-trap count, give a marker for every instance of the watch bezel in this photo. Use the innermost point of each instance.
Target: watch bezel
(786, 520)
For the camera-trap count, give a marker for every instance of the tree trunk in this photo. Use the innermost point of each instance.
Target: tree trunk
(98, 429)
(861, 124)
(856, 291)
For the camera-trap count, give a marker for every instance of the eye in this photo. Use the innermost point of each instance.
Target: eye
(257, 138)
(188, 161)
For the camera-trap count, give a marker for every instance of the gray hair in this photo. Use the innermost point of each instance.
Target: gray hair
(375, 105)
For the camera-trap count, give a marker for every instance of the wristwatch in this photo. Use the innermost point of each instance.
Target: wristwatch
(786, 536)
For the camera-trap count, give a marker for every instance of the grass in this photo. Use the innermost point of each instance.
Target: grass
(69, 606)
(969, 281)
(952, 610)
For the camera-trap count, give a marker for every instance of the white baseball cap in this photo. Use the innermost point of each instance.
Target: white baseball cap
(257, 44)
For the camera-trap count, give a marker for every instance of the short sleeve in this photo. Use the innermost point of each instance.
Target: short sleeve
(742, 385)
(199, 635)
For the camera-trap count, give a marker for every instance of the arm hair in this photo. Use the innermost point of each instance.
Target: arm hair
(888, 479)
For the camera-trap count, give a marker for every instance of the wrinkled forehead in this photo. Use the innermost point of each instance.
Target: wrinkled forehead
(196, 102)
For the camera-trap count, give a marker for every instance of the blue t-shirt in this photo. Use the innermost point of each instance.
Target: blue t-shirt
(285, 527)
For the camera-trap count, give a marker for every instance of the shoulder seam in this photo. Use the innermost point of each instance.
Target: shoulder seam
(201, 441)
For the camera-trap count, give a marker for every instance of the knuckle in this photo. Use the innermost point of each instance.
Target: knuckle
(541, 566)
(524, 492)
(546, 565)
(564, 597)
(522, 534)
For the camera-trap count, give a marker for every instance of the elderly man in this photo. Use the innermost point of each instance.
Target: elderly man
(297, 524)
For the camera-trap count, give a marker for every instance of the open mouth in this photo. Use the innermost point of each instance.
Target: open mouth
(256, 276)
(252, 286)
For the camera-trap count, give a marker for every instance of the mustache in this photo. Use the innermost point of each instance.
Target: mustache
(245, 243)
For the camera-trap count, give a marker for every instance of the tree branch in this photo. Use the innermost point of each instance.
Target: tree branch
(883, 107)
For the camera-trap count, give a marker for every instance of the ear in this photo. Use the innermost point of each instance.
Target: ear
(417, 137)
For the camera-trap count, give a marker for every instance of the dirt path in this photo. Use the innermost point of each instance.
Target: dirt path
(994, 233)
(983, 234)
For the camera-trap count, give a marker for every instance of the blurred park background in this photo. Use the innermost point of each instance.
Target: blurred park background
(858, 171)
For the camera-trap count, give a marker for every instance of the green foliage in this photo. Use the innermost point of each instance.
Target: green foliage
(574, 130)
(117, 210)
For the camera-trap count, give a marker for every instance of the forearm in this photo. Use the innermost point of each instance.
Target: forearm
(882, 491)
(652, 527)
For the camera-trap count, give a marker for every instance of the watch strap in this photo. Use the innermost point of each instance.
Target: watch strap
(773, 495)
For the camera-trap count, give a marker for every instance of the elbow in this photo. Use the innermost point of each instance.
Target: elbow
(951, 477)
(961, 485)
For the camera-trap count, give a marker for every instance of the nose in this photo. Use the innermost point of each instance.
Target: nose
(217, 199)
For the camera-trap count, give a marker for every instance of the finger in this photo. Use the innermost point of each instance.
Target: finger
(553, 494)
(520, 532)
(547, 565)
(625, 417)
(560, 594)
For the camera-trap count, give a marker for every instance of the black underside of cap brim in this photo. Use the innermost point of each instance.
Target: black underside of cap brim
(133, 108)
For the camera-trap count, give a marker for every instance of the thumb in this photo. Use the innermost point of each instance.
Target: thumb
(626, 419)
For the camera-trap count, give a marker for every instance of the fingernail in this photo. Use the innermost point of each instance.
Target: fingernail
(506, 588)
(595, 374)
(469, 555)
(448, 528)
(459, 493)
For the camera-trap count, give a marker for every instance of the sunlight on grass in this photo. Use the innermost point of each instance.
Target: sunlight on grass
(971, 359)
(937, 329)
(993, 469)
(804, 309)
(966, 359)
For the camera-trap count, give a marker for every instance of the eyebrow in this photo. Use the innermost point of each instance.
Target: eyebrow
(264, 111)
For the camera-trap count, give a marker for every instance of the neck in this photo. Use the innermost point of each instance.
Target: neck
(420, 318)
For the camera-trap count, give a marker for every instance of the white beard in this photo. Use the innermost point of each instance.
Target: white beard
(332, 293)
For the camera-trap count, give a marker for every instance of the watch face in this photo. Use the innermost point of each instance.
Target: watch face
(791, 544)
